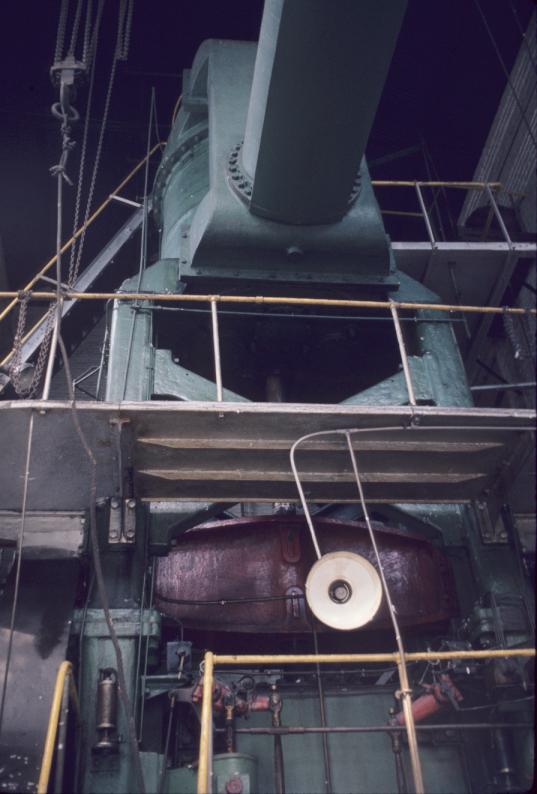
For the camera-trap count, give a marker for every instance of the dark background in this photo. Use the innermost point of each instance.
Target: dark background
(443, 89)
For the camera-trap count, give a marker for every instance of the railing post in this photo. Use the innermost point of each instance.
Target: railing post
(425, 216)
(206, 732)
(402, 353)
(216, 351)
(498, 214)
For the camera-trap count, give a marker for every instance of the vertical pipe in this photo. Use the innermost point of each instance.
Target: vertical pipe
(324, 737)
(216, 351)
(406, 703)
(494, 205)
(425, 216)
(206, 733)
(402, 353)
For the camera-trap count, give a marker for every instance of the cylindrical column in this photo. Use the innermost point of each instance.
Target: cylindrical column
(319, 73)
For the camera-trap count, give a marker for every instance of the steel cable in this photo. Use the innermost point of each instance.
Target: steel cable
(60, 33)
(75, 29)
(74, 261)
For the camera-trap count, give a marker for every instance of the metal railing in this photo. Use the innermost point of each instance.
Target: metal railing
(211, 660)
(213, 300)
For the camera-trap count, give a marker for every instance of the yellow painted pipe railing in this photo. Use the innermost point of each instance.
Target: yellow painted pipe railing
(204, 785)
(63, 677)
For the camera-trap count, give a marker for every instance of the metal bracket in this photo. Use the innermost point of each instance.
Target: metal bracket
(122, 521)
(490, 532)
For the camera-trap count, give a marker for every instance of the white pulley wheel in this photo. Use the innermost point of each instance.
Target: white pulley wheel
(343, 590)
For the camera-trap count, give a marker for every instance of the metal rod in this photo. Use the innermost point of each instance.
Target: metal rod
(326, 749)
(504, 386)
(405, 691)
(403, 354)
(216, 351)
(167, 297)
(58, 307)
(206, 734)
(426, 218)
(290, 730)
(412, 183)
(368, 658)
(123, 200)
(498, 214)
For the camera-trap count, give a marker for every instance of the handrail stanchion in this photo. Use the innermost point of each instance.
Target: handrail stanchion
(206, 731)
(216, 352)
(403, 354)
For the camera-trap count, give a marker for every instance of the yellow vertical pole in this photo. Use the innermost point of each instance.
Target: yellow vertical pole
(206, 735)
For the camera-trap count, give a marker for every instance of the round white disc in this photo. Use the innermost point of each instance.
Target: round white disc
(343, 590)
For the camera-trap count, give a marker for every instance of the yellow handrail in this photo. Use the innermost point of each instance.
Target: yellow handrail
(204, 785)
(65, 672)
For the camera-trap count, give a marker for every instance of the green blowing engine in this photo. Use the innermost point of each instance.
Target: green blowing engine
(287, 478)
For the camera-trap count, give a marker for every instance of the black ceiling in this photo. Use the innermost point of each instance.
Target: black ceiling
(444, 87)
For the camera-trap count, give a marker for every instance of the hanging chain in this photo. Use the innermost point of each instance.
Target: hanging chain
(65, 73)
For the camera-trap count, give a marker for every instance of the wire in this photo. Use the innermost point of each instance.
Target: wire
(99, 577)
(523, 34)
(506, 72)
(222, 602)
(20, 542)
(495, 705)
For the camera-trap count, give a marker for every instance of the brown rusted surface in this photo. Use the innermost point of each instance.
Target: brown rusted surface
(252, 558)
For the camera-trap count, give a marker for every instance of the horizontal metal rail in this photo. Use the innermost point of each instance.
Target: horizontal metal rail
(168, 297)
(204, 784)
(300, 730)
(343, 658)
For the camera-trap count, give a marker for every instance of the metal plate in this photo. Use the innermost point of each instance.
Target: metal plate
(240, 452)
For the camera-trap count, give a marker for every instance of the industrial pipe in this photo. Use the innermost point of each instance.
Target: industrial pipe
(318, 77)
